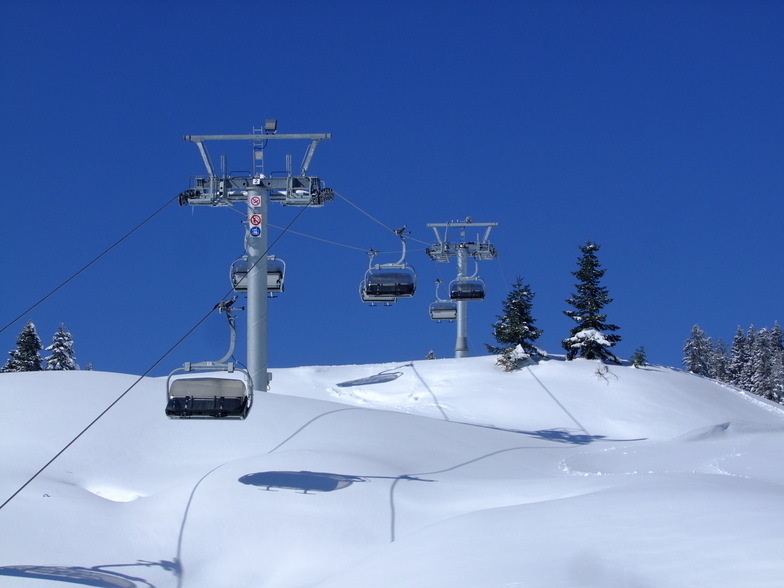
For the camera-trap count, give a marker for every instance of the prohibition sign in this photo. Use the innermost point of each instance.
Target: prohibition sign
(255, 200)
(255, 219)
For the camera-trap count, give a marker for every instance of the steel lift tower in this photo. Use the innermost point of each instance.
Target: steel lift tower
(255, 190)
(465, 287)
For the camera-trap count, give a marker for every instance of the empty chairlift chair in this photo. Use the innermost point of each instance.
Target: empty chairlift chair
(442, 310)
(209, 397)
(276, 274)
(227, 394)
(389, 281)
(468, 289)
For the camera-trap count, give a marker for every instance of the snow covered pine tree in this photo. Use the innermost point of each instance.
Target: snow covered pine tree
(25, 358)
(515, 329)
(589, 339)
(62, 357)
(697, 352)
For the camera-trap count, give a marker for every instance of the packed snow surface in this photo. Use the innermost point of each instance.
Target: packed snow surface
(421, 474)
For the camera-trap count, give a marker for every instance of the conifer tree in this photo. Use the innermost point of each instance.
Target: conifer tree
(777, 361)
(718, 366)
(26, 357)
(516, 325)
(697, 352)
(639, 359)
(738, 358)
(62, 357)
(747, 369)
(593, 336)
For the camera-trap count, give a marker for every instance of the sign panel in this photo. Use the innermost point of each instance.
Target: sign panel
(255, 200)
(255, 219)
(255, 231)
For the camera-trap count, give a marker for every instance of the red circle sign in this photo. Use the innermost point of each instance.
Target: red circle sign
(255, 201)
(255, 219)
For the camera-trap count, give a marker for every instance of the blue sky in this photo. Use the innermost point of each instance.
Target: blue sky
(652, 128)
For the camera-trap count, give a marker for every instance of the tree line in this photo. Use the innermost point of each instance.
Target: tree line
(754, 362)
(27, 355)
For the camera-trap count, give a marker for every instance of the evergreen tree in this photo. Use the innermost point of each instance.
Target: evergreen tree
(777, 361)
(590, 338)
(719, 364)
(639, 359)
(747, 369)
(62, 357)
(516, 325)
(697, 352)
(763, 357)
(26, 357)
(738, 358)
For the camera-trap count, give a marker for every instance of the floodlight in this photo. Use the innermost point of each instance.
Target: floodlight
(271, 125)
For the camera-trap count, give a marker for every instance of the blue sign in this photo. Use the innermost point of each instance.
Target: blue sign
(255, 231)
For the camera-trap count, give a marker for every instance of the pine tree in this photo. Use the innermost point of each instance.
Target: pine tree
(738, 358)
(62, 357)
(697, 352)
(590, 338)
(516, 325)
(639, 359)
(746, 376)
(777, 362)
(26, 357)
(718, 366)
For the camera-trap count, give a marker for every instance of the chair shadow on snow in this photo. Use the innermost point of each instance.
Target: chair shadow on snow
(379, 378)
(97, 576)
(570, 438)
(309, 482)
(564, 436)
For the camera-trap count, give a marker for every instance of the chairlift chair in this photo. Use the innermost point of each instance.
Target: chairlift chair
(211, 396)
(467, 289)
(388, 281)
(442, 310)
(276, 274)
(226, 395)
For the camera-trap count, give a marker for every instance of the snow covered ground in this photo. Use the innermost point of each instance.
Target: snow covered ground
(430, 473)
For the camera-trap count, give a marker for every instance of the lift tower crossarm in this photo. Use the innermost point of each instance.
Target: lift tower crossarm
(200, 138)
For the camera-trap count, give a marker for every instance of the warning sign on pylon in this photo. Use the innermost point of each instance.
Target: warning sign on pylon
(255, 219)
(255, 201)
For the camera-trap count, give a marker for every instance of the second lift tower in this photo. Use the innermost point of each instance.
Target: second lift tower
(465, 287)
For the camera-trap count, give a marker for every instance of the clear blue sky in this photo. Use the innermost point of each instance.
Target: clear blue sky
(653, 128)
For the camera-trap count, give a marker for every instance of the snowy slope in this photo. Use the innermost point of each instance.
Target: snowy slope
(431, 473)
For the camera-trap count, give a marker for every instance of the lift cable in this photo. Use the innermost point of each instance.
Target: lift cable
(364, 250)
(139, 379)
(319, 239)
(139, 226)
(375, 219)
(503, 275)
(152, 367)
